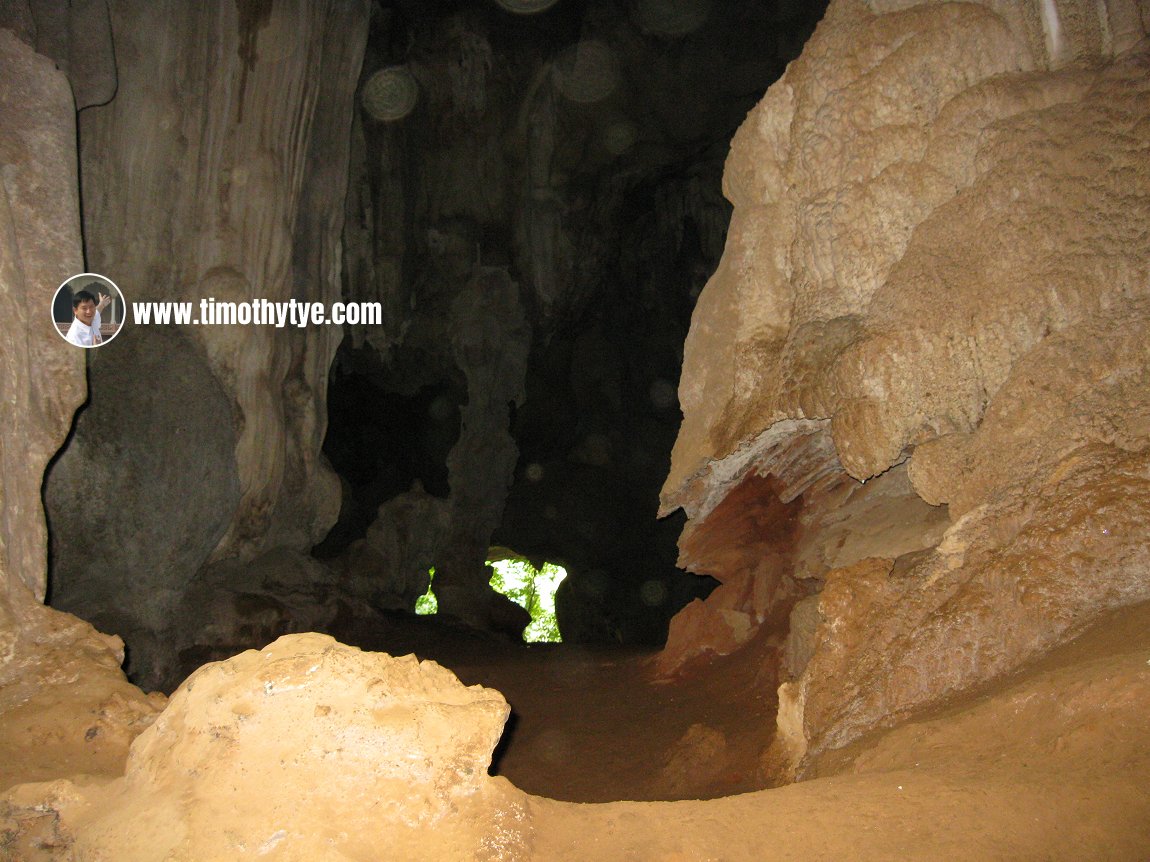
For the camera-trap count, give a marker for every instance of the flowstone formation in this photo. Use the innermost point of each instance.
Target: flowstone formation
(936, 282)
(309, 750)
(40, 244)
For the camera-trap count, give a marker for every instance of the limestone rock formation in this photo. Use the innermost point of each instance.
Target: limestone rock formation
(490, 340)
(938, 260)
(390, 566)
(232, 189)
(217, 172)
(122, 554)
(39, 249)
(937, 278)
(394, 752)
(62, 694)
(76, 35)
(845, 197)
(916, 453)
(65, 706)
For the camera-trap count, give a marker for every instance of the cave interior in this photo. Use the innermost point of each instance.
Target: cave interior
(534, 200)
(810, 339)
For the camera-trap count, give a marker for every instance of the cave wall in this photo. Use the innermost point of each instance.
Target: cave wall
(40, 226)
(1040, 534)
(61, 689)
(218, 170)
(937, 268)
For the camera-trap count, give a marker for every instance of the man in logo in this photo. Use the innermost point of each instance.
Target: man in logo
(85, 328)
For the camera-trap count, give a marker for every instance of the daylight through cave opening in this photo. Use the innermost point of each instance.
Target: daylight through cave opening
(532, 588)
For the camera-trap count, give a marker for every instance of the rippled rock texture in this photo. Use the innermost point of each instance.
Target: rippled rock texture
(938, 270)
(218, 171)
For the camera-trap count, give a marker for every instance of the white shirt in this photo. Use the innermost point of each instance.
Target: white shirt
(82, 335)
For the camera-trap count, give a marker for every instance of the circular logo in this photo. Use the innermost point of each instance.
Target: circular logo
(88, 310)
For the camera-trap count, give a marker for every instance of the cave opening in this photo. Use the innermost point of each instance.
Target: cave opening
(427, 605)
(531, 587)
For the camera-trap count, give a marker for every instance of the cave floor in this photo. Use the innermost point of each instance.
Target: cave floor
(595, 724)
(1050, 763)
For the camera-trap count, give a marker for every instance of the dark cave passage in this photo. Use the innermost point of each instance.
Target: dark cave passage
(536, 225)
(382, 442)
(606, 239)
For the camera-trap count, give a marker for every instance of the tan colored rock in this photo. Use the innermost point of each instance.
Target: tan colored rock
(1088, 384)
(314, 751)
(705, 629)
(43, 380)
(769, 555)
(849, 521)
(1007, 583)
(744, 542)
(799, 647)
(1052, 764)
(937, 269)
(65, 707)
(880, 216)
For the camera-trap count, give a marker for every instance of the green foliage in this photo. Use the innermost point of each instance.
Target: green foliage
(530, 588)
(534, 591)
(427, 603)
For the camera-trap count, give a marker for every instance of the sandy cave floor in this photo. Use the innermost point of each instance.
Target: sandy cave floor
(1052, 763)
(594, 725)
